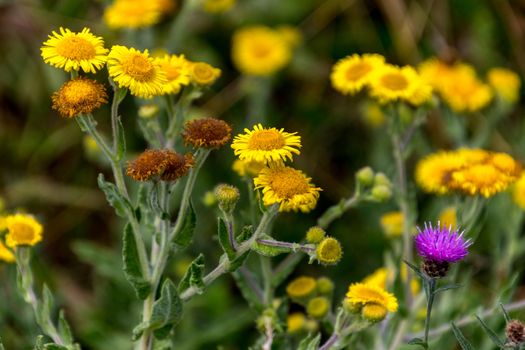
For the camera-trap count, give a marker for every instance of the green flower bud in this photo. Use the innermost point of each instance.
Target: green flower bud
(365, 176)
(148, 111)
(374, 312)
(324, 286)
(382, 179)
(318, 307)
(227, 196)
(315, 234)
(381, 193)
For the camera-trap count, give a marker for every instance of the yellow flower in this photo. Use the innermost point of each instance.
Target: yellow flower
(204, 74)
(177, 72)
(352, 73)
(247, 168)
(392, 224)
(390, 83)
(448, 217)
(260, 50)
(22, 230)
(295, 322)
(506, 83)
(518, 192)
(377, 278)
(291, 35)
(361, 294)
(464, 92)
(435, 72)
(265, 145)
(315, 234)
(74, 51)
(329, 251)
(288, 187)
(79, 96)
(136, 71)
(383, 277)
(318, 307)
(90, 146)
(301, 287)
(374, 312)
(469, 171)
(6, 255)
(216, 6)
(148, 111)
(133, 13)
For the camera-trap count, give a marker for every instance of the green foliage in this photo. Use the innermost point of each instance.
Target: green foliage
(113, 196)
(132, 267)
(193, 276)
(185, 236)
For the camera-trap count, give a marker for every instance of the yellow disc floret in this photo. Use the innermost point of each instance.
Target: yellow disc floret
(329, 251)
(79, 96)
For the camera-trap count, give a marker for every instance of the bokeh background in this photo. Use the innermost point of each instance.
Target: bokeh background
(46, 167)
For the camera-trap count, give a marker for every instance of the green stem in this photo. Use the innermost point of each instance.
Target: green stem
(267, 273)
(307, 248)
(336, 211)
(431, 293)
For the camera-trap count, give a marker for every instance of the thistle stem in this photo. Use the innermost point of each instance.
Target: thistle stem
(430, 302)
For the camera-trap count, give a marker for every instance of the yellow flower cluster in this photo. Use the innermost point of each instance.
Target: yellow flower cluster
(457, 84)
(145, 76)
(518, 192)
(262, 51)
(270, 148)
(505, 83)
(314, 295)
(468, 171)
(135, 14)
(385, 82)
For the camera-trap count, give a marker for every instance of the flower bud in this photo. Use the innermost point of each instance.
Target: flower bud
(295, 322)
(381, 193)
(329, 251)
(382, 179)
(318, 307)
(351, 308)
(209, 198)
(374, 312)
(301, 288)
(227, 196)
(365, 176)
(148, 111)
(324, 286)
(515, 332)
(315, 234)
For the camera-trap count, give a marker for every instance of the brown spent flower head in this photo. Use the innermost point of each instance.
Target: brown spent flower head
(167, 164)
(515, 332)
(79, 96)
(206, 132)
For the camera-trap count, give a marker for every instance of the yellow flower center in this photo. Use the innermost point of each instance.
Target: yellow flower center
(138, 67)
(22, 232)
(261, 50)
(172, 72)
(357, 71)
(394, 81)
(202, 71)
(76, 48)
(80, 91)
(288, 182)
(266, 140)
(329, 250)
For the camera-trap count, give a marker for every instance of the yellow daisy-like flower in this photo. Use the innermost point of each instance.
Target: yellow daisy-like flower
(506, 83)
(518, 192)
(391, 83)
(265, 145)
(352, 73)
(177, 71)
(361, 294)
(260, 50)
(466, 94)
(133, 14)
(74, 51)
(295, 322)
(247, 168)
(136, 71)
(435, 72)
(392, 223)
(204, 74)
(301, 288)
(22, 230)
(288, 187)
(468, 171)
(79, 96)
(217, 6)
(6, 255)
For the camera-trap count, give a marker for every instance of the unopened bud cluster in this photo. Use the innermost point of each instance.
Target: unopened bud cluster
(376, 186)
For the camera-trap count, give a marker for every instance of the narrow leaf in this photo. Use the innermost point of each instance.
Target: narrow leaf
(167, 310)
(418, 341)
(39, 344)
(193, 276)
(121, 140)
(463, 342)
(53, 346)
(44, 308)
(249, 287)
(63, 328)
(238, 261)
(132, 268)
(447, 287)
(505, 313)
(224, 239)
(113, 196)
(185, 236)
(310, 342)
(417, 270)
(246, 233)
(268, 249)
(495, 339)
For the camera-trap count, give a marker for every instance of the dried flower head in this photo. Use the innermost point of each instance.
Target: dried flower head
(177, 165)
(515, 332)
(22, 230)
(164, 164)
(79, 96)
(206, 132)
(74, 51)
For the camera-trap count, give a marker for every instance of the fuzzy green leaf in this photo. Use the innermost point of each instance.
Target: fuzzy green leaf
(267, 249)
(495, 339)
(132, 268)
(310, 342)
(121, 140)
(44, 308)
(53, 346)
(63, 328)
(39, 344)
(418, 341)
(250, 290)
(246, 233)
(113, 196)
(224, 239)
(193, 276)
(167, 310)
(238, 261)
(463, 342)
(185, 236)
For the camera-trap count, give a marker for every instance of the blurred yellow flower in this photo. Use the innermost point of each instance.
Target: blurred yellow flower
(301, 287)
(90, 145)
(22, 230)
(6, 255)
(506, 83)
(392, 224)
(136, 71)
(318, 307)
(148, 111)
(177, 71)
(260, 50)
(518, 191)
(247, 168)
(361, 294)
(291, 35)
(295, 322)
(383, 277)
(133, 14)
(74, 51)
(217, 6)
(288, 187)
(79, 96)
(448, 217)
(352, 73)
(390, 83)
(204, 74)
(464, 92)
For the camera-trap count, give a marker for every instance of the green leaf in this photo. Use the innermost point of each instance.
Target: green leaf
(310, 343)
(121, 140)
(495, 339)
(39, 344)
(267, 249)
(44, 308)
(246, 233)
(505, 313)
(167, 310)
(418, 341)
(447, 287)
(150, 131)
(113, 196)
(63, 328)
(193, 276)
(417, 270)
(224, 240)
(238, 261)
(463, 342)
(247, 284)
(184, 237)
(131, 261)
(53, 346)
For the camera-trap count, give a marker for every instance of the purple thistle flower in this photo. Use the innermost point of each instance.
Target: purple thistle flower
(441, 244)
